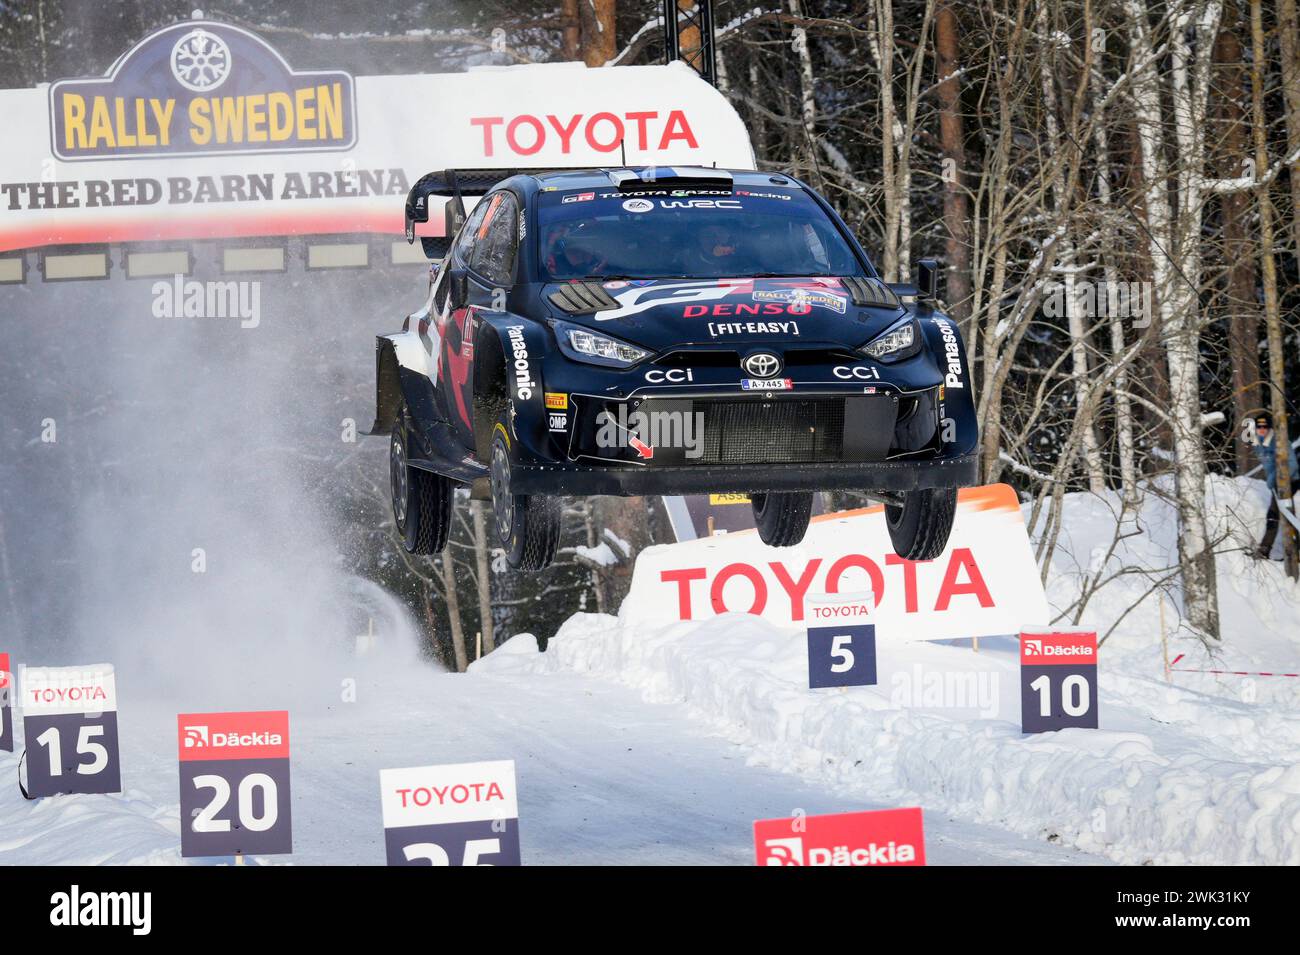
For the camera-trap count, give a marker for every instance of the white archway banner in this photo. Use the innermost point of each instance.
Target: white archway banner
(985, 583)
(202, 130)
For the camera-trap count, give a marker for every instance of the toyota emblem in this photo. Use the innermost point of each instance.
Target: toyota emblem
(762, 364)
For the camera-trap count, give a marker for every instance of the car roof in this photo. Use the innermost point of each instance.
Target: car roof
(606, 177)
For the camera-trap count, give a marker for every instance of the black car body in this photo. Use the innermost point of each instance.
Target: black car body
(667, 331)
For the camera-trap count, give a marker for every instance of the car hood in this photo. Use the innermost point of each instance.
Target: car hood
(662, 313)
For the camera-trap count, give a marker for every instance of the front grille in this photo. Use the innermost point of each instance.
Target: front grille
(799, 357)
(700, 359)
(777, 431)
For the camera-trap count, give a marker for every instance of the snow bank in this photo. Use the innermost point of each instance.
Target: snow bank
(1197, 771)
(1259, 606)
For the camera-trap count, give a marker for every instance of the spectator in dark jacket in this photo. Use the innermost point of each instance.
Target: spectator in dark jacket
(1266, 450)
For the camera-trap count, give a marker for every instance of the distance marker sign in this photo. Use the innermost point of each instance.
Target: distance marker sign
(234, 783)
(885, 837)
(841, 641)
(458, 814)
(1058, 681)
(70, 725)
(6, 705)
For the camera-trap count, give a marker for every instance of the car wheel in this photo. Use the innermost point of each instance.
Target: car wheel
(919, 528)
(782, 516)
(527, 526)
(421, 499)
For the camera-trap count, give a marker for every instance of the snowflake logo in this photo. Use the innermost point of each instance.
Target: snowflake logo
(200, 61)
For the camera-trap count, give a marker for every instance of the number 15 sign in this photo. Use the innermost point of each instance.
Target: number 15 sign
(1058, 681)
(70, 722)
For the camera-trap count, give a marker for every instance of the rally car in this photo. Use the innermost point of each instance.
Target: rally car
(636, 331)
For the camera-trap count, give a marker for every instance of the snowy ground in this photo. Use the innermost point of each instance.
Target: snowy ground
(604, 777)
(639, 744)
(1200, 769)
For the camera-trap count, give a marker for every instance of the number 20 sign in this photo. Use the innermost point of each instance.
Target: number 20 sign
(1058, 681)
(234, 783)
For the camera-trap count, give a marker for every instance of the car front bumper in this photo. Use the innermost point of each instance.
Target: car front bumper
(632, 480)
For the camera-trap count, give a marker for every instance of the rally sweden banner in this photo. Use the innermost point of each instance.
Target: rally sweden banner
(203, 130)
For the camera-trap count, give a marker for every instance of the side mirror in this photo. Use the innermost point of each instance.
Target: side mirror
(435, 247)
(927, 280)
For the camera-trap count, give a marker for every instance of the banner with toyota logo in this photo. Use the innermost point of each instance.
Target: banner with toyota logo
(203, 130)
(985, 582)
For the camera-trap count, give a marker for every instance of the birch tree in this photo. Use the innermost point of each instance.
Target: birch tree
(1173, 200)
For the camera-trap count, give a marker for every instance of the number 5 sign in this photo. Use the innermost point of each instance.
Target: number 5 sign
(1058, 681)
(459, 814)
(234, 783)
(841, 641)
(70, 723)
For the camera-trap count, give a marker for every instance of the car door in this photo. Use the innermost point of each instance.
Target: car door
(491, 273)
(451, 303)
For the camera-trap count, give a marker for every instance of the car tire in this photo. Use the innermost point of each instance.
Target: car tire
(526, 526)
(782, 516)
(919, 528)
(421, 499)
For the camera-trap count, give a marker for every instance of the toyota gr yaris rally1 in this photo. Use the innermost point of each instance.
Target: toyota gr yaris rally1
(665, 331)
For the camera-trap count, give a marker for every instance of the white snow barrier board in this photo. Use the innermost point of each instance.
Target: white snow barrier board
(155, 151)
(984, 583)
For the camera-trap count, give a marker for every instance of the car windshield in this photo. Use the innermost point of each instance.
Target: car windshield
(688, 233)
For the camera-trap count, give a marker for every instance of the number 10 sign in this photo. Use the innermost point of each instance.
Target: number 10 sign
(1058, 681)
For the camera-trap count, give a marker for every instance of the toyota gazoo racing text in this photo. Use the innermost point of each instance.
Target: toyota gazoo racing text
(665, 331)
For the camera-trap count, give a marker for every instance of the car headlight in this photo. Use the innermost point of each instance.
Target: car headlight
(582, 344)
(898, 341)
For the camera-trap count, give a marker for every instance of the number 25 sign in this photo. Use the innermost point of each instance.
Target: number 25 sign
(1058, 681)
(457, 814)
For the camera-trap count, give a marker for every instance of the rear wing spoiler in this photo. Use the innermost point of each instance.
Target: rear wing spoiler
(452, 185)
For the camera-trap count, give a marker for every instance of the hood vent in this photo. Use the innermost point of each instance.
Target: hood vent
(578, 298)
(867, 291)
